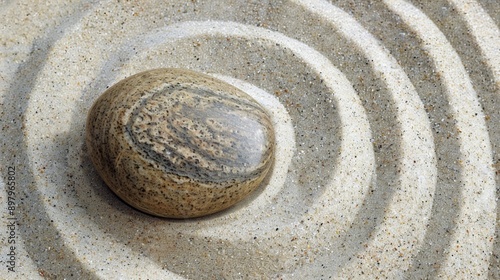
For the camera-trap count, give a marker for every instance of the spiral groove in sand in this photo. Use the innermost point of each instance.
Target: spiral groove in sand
(387, 137)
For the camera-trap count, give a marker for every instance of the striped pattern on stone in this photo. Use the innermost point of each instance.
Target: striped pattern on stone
(180, 144)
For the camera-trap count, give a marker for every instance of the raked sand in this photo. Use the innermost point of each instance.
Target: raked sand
(387, 122)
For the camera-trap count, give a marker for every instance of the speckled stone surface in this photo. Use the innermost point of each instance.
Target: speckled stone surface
(387, 138)
(179, 144)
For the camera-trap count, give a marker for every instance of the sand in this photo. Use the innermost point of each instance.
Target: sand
(387, 128)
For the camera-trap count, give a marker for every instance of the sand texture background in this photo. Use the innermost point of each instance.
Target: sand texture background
(387, 119)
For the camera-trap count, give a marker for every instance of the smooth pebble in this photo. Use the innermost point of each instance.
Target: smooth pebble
(180, 144)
